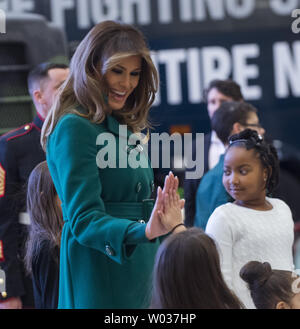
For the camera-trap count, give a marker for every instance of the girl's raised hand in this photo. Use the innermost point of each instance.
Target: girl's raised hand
(171, 214)
(172, 183)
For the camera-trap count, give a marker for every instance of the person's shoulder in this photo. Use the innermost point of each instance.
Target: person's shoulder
(17, 133)
(73, 129)
(225, 210)
(72, 119)
(17, 139)
(70, 125)
(226, 207)
(278, 203)
(221, 217)
(78, 122)
(283, 211)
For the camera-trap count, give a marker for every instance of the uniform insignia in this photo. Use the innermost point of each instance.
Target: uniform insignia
(1, 252)
(2, 181)
(2, 284)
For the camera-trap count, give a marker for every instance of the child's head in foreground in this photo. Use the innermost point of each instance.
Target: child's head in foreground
(271, 289)
(187, 274)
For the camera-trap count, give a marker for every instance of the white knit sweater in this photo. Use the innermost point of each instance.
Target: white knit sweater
(244, 234)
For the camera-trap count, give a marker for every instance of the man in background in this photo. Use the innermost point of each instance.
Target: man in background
(218, 91)
(20, 152)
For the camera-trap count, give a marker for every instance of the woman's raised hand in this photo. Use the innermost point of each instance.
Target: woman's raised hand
(165, 213)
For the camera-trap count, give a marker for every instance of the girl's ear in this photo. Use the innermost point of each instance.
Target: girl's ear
(236, 128)
(282, 305)
(267, 173)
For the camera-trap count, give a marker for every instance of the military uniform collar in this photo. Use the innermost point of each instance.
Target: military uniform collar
(38, 121)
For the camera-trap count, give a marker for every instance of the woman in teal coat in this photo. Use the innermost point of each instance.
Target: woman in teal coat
(103, 179)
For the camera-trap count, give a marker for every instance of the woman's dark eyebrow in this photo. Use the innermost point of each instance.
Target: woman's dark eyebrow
(123, 68)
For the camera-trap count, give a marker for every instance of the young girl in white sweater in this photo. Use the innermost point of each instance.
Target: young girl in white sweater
(254, 226)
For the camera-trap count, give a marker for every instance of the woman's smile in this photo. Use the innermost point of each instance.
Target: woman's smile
(117, 95)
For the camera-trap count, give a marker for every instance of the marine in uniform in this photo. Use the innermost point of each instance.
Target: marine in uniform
(20, 152)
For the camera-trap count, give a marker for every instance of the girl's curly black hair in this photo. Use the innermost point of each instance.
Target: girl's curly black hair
(250, 139)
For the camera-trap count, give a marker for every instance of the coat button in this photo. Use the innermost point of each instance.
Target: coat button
(152, 186)
(109, 251)
(128, 149)
(141, 221)
(138, 187)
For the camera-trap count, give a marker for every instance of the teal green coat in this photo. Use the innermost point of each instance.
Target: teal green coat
(106, 261)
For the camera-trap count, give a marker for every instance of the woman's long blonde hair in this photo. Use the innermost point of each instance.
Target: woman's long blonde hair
(102, 48)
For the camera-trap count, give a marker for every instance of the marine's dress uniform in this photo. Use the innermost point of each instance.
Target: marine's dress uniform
(106, 261)
(20, 152)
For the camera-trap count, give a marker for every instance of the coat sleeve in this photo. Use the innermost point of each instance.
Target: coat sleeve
(219, 229)
(10, 205)
(71, 155)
